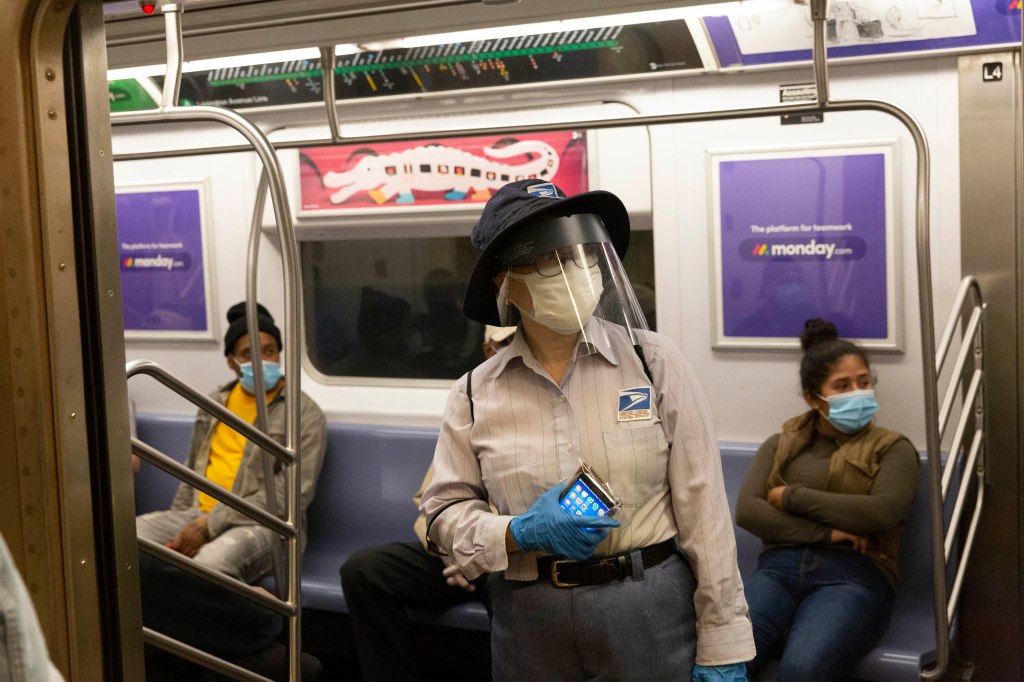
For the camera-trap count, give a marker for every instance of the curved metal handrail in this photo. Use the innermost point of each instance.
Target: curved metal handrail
(973, 325)
(165, 463)
(169, 111)
(237, 586)
(262, 407)
(971, 414)
(968, 285)
(969, 406)
(208, 404)
(169, 644)
(327, 62)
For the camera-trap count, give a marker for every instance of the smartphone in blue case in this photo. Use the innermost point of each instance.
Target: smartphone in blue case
(587, 495)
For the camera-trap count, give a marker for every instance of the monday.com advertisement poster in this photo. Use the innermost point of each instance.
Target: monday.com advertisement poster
(802, 234)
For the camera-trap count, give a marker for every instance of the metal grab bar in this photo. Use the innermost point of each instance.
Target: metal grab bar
(165, 463)
(954, 522)
(169, 111)
(954, 594)
(968, 285)
(162, 641)
(238, 587)
(204, 402)
(958, 368)
(970, 398)
(972, 341)
(262, 417)
(327, 62)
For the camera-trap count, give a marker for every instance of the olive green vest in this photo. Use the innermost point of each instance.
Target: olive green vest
(851, 471)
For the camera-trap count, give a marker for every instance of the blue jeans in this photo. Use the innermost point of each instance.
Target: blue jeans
(819, 609)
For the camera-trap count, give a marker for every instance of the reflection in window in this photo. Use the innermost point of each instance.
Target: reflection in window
(392, 308)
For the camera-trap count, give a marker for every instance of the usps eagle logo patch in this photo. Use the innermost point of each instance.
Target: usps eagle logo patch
(545, 190)
(635, 404)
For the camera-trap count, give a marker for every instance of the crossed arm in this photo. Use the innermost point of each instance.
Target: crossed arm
(797, 514)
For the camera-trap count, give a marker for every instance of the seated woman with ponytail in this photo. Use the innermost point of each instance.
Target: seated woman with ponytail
(829, 497)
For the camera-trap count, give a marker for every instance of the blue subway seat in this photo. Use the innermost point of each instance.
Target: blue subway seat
(170, 434)
(909, 644)
(364, 498)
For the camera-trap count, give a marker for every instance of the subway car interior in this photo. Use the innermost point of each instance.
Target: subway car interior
(163, 162)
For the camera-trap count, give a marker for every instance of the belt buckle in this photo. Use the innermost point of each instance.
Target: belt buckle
(554, 574)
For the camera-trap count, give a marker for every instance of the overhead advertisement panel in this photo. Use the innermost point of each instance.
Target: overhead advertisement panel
(438, 173)
(756, 35)
(599, 52)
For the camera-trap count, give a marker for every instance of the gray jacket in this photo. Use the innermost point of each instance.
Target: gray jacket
(249, 481)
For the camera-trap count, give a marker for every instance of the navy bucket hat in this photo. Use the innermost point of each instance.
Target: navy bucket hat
(520, 204)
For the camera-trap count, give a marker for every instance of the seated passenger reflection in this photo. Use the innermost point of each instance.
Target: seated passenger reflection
(385, 328)
(786, 303)
(451, 342)
(645, 297)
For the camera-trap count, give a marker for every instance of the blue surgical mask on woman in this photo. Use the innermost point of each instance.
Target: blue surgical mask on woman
(851, 411)
(271, 375)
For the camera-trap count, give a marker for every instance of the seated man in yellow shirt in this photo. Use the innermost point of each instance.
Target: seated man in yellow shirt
(196, 524)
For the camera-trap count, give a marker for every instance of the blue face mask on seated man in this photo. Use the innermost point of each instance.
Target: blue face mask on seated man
(851, 411)
(271, 375)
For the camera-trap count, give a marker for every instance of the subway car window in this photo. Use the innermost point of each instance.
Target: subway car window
(392, 308)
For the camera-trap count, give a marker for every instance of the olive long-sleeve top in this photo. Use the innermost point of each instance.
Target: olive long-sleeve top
(809, 513)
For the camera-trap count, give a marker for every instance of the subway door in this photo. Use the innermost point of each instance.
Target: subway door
(66, 486)
(992, 603)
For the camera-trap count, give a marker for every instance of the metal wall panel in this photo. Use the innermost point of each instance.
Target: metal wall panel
(992, 618)
(71, 484)
(30, 518)
(54, 423)
(103, 350)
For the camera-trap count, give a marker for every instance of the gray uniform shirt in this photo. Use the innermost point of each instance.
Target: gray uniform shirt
(528, 433)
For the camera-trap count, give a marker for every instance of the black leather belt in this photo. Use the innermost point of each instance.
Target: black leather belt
(603, 569)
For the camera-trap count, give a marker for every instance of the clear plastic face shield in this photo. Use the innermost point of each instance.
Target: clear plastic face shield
(576, 289)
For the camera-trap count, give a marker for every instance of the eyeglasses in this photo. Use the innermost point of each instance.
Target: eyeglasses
(550, 264)
(268, 351)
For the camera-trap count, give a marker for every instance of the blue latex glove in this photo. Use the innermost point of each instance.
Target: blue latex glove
(546, 526)
(731, 672)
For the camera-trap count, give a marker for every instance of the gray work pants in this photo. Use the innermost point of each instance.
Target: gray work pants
(640, 628)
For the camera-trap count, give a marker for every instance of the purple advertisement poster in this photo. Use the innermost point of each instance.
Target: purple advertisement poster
(800, 237)
(164, 285)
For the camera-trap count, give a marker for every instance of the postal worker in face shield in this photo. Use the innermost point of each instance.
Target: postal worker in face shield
(592, 439)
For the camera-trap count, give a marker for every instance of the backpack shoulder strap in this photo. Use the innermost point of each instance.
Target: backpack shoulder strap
(643, 361)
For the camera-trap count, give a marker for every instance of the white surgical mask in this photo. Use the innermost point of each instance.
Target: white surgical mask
(504, 313)
(562, 310)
